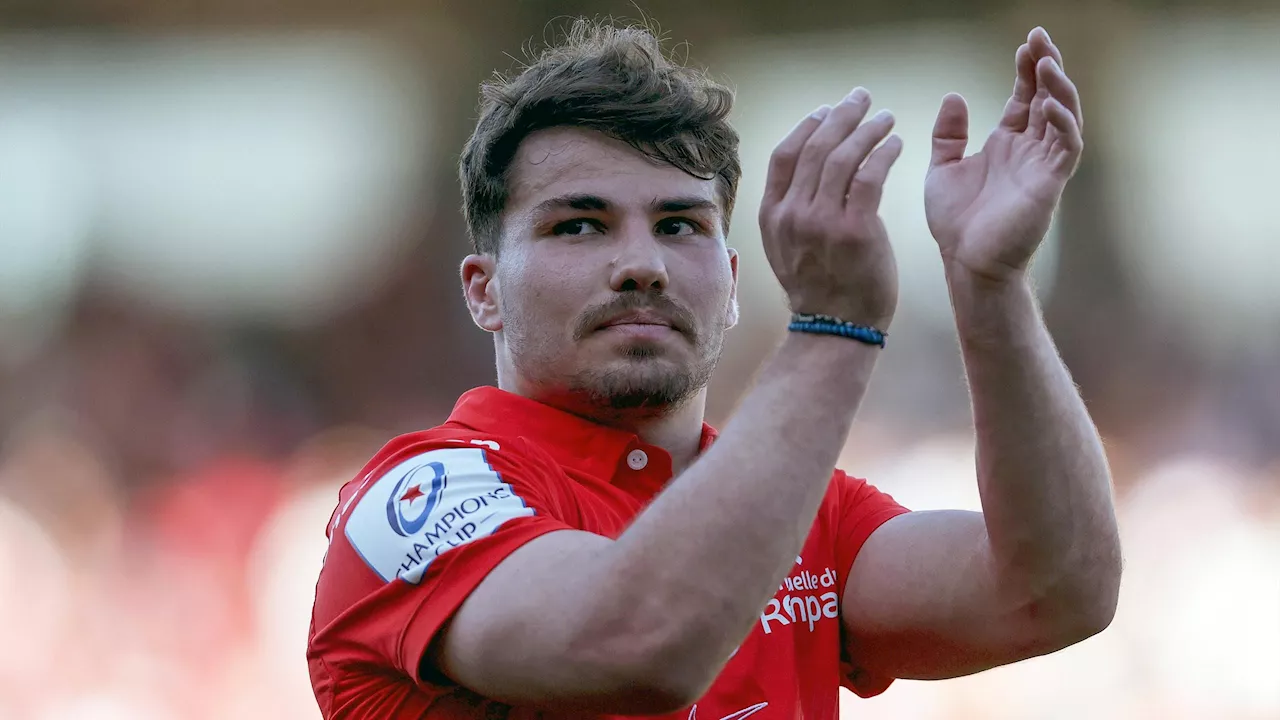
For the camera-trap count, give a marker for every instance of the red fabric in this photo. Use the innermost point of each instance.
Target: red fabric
(516, 470)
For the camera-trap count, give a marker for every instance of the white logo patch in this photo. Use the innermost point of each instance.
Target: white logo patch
(427, 505)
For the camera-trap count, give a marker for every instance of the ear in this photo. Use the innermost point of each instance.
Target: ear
(480, 288)
(731, 318)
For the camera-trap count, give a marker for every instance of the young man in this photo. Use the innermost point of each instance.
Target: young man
(576, 542)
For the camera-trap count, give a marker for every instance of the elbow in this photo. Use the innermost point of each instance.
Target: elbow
(679, 674)
(1099, 591)
(1082, 606)
(657, 692)
(646, 684)
(656, 672)
(1084, 619)
(1101, 597)
(669, 675)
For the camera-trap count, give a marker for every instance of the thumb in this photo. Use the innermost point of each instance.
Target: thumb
(950, 131)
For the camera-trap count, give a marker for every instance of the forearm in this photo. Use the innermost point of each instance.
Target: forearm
(699, 564)
(1042, 472)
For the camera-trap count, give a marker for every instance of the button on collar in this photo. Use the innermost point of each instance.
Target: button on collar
(637, 459)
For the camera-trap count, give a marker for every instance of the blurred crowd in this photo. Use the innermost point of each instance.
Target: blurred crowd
(164, 489)
(166, 475)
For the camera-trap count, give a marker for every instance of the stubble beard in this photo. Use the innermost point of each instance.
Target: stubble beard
(643, 382)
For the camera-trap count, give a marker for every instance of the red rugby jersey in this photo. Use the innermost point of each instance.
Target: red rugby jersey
(433, 512)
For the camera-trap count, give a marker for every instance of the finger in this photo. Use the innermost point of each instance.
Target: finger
(782, 163)
(1068, 133)
(1036, 121)
(1024, 90)
(842, 120)
(848, 156)
(950, 131)
(1043, 46)
(868, 183)
(1050, 76)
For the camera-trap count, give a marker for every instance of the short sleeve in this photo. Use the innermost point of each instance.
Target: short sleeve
(862, 509)
(426, 528)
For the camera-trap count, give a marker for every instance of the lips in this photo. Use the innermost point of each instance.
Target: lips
(639, 319)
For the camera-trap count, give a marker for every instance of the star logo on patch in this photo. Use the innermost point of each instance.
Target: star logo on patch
(413, 493)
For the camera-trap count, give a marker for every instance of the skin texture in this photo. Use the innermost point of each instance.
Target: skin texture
(587, 237)
(635, 630)
(594, 230)
(936, 595)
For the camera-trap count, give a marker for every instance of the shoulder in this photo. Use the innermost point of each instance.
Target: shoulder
(857, 509)
(423, 496)
(443, 480)
(462, 451)
(414, 533)
(847, 489)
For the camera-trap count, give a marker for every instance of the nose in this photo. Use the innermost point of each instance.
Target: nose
(639, 264)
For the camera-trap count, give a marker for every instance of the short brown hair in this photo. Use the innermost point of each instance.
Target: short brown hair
(616, 80)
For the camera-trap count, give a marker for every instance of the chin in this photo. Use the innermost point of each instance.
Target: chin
(644, 351)
(639, 380)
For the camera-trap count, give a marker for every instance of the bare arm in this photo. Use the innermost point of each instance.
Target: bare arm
(644, 624)
(935, 595)
(941, 594)
(575, 621)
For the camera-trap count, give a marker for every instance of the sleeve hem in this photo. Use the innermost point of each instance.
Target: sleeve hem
(861, 531)
(858, 681)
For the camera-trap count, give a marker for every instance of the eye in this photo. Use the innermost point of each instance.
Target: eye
(676, 226)
(578, 226)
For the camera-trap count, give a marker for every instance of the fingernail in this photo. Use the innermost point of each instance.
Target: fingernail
(858, 94)
(820, 112)
(882, 116)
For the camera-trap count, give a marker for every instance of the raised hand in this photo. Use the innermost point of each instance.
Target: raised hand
(990, 211)
(819, 219)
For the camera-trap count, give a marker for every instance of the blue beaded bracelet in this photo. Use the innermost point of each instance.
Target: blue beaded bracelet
(828, 325)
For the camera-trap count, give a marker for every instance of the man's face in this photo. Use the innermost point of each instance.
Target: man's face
(614, 283)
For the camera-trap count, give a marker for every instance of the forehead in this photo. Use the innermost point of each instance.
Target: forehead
(564, 161)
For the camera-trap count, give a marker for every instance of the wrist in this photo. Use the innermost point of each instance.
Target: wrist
(991, 309)
(838, 327)
(821, 349)
(879, 318)
(965, 281)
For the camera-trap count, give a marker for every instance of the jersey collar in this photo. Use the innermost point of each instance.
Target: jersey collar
(571, 441)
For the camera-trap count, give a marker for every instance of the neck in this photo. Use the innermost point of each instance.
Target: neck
(675, 429)
(678, 431)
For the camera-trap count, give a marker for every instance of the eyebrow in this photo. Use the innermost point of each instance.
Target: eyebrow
(586, 201)
(681, 204)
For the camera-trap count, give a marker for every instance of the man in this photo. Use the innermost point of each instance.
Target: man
(576, 542)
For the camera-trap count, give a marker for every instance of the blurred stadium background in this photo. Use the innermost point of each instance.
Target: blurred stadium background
(229, 243)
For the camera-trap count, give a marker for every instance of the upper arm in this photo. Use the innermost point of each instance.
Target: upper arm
(455, 568)
(923, 601)
(528, 635)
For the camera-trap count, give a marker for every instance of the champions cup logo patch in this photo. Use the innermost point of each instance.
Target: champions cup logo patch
(406, 494)
(426, 506)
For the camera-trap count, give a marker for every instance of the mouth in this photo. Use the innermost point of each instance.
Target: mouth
(640, 326)
(637, 331)
(639, 321)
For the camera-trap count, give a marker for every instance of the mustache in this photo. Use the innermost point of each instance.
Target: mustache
(681, 318)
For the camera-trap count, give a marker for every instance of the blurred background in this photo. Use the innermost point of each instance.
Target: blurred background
(229, 241)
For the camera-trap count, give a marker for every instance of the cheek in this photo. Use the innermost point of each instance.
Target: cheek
(541, 296)
(713, 285)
